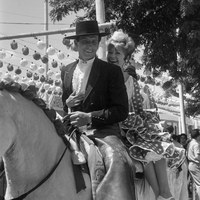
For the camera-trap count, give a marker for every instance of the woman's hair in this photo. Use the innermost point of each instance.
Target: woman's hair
(123, 41)
(195, 133)
(183, 135)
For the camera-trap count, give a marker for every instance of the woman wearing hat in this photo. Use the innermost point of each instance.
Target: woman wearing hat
(95, 99)
(146, 141)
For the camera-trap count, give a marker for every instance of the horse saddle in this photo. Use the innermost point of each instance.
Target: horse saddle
(86, 157)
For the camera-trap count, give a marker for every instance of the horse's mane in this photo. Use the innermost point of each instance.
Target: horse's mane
(30, 92)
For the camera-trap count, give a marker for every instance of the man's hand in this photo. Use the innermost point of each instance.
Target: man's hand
(79, 119)
(74, 100)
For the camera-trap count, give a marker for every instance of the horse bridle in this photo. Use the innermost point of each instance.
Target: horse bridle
(43, 180)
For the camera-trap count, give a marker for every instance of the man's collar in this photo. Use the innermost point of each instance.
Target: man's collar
(88, 62)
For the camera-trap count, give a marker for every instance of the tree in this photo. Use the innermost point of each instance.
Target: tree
(169, 30)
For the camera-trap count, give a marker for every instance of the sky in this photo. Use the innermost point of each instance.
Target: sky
(27, 11)
(28, 16)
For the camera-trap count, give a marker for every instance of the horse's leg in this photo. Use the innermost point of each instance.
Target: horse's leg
(151, 178)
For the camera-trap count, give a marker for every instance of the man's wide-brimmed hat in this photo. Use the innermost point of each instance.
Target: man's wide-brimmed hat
(86, 28)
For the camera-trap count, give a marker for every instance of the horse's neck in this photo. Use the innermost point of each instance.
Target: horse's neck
(26, 166)
(35, 150)
(60, 182)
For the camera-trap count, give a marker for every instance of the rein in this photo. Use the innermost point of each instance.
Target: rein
(43, 180)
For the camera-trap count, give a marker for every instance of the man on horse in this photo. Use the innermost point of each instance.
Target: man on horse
(95, 100)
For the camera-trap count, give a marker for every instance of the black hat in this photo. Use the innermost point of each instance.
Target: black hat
(85, 28)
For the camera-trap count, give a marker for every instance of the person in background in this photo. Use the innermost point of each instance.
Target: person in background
(141, 128)
(193, 156)
(178, 176)
(95, 100)
(148, 100)
(183, 140)
(175, 139)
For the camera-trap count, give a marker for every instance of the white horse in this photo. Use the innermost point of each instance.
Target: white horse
(31, 148)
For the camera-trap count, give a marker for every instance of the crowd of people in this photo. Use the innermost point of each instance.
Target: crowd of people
(191, 144)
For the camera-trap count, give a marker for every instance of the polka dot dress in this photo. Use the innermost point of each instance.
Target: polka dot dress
(144, 132)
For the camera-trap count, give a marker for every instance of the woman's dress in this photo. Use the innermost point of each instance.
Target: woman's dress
(145, 134)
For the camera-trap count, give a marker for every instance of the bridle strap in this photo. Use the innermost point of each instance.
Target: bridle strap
(43, 180)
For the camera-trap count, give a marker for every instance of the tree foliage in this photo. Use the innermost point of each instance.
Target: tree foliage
(169, 30)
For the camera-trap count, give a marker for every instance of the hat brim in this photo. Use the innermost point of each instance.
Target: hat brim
(87, 34)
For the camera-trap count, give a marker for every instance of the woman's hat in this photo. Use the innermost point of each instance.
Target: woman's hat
(85, 28)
